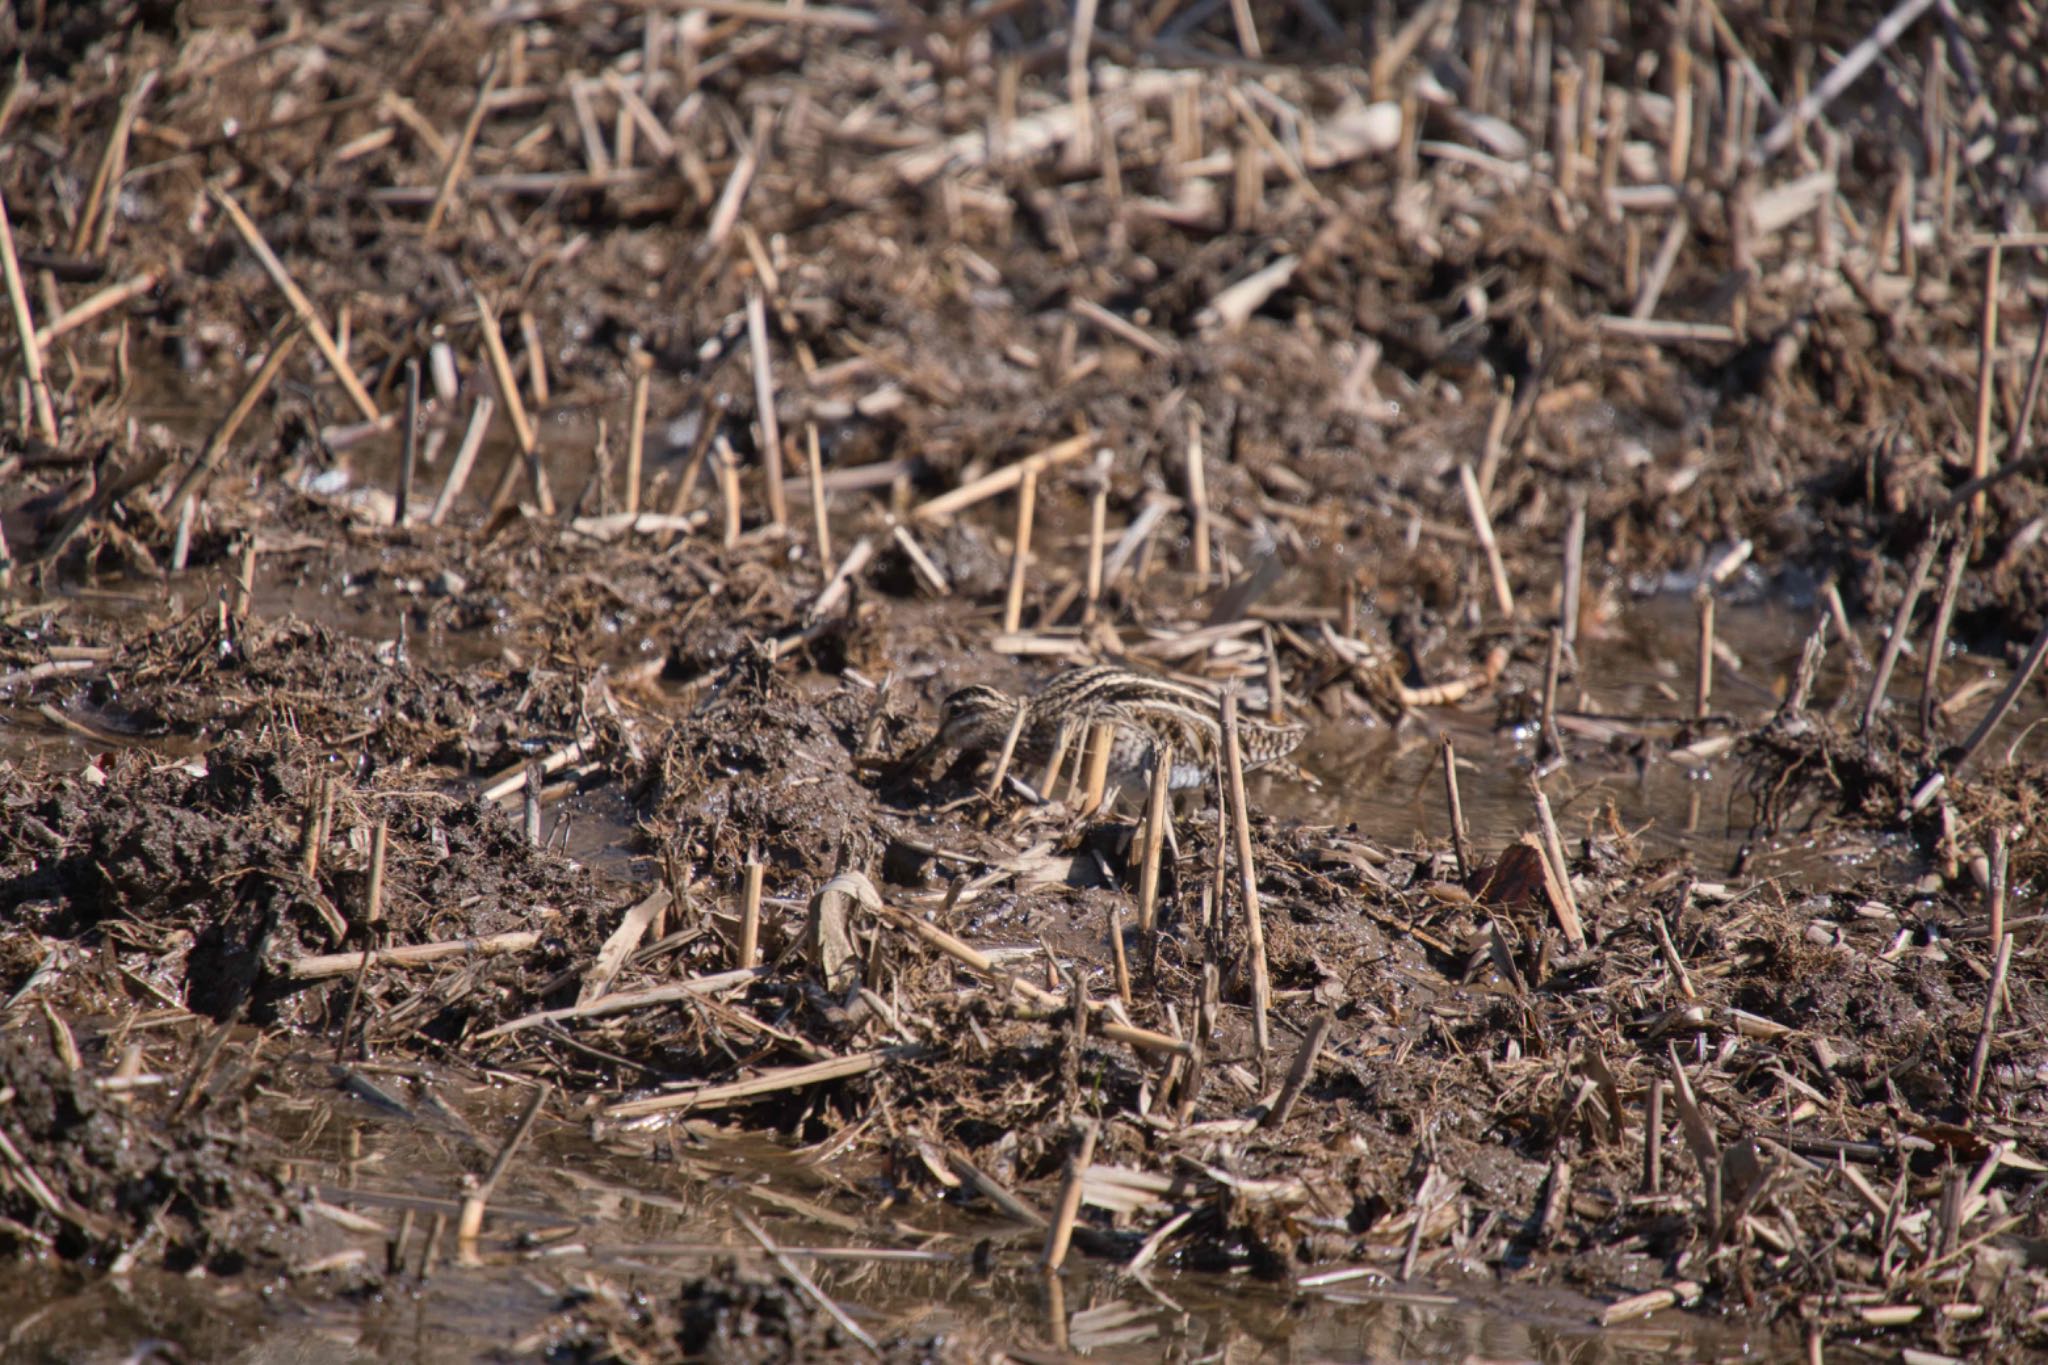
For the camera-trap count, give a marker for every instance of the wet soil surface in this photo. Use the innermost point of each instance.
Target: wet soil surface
(469, 880)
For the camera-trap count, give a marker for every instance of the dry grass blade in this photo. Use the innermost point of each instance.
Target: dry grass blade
(767, 1083)
(806, 1283)
(416, 955)
(25, 330)
(1248, 879)
(301, 305)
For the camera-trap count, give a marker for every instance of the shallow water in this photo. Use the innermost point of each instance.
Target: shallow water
(575, 1216)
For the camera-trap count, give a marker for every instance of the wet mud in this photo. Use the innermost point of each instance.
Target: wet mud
(496, 504)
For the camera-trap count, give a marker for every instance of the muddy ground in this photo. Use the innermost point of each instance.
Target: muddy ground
(361, 873)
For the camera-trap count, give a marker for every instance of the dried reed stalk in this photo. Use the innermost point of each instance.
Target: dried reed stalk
(1248, 881)
(1027, 504)
(25, 329)
(300, 304)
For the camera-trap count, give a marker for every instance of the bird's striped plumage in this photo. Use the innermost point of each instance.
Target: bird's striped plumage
(1141, 711)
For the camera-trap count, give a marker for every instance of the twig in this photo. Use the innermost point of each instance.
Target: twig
(1574, 576)
(458, 160)
(2007, 699)
(515, 406)
(335, 964)
(105, 301)
(1156, 817)
(1987, 376)
(300, 304)
(465, 458)
(1703, 682)
(245, 403)
(1937, 638)
(409, 437)
(1844, 73)
(96, 222)
(1653, 1138)
(624, 1002)
(1098, 516)
(1298, 1073)
(1248, 880)
(1567, 906)
(766, 1083)
(1027, 503)
(805, 1282)
(471, 1220)
(620, 945)
(821, 526)
(1198, 498)
(636, 428)
(764, 405)
(1460, 847)
(25, 329)
(1123, 330)
(1982, 1056)
(1482, 525)
(1916, 579)
(1003, 480)
(749, 951)
(1061, 1235)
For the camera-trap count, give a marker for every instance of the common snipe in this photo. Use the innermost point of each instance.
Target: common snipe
(1141, 710)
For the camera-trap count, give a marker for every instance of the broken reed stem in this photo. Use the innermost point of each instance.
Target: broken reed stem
(470, 1222)
(1117, 955)
(803, 1281)
(1987, 375)
(728, 489)
(1994, 895)
(25, 330)
(530, 803)
(465, 458)
(1198, 498)
(995, 783)
(1098, 518)
(1156, 802)
(409, 443)
(1095, 772)
(2005, 702)
(749, 952)
(536, 357)
(1027, 506)
(1551, 743)
(95, 230)
(245, 403)
(1061, 1235)
(1496, 438)
(1299, 1071)
(764, 405)
(458, 159)
(1461, 849)
(821, 526)
(1062, 740)
(1653, 1138)
(1937, 638)
(1982, 1056)
(1003, 480)
(1553, 850)
(245, 579)
(104, 301)
(1703, 683)
(1916, 579)
(1574, 575)
(515, 407)
(300, 304)
(1248, 881)
(636, 430)
(373, 901)
(1482, 526)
